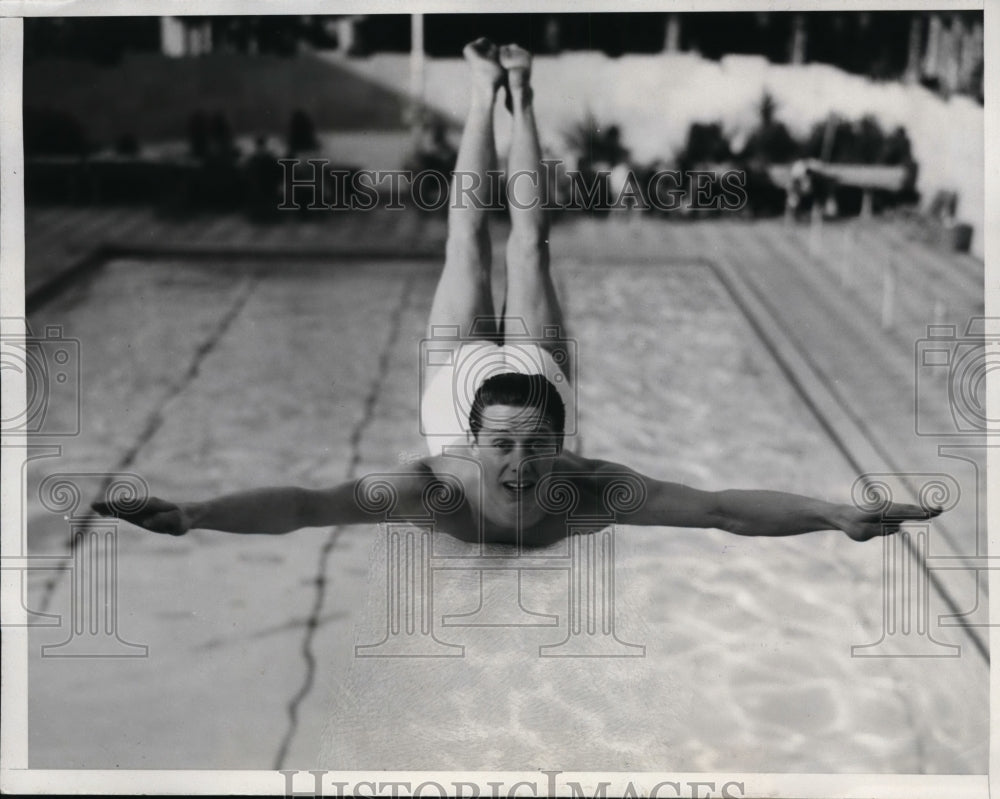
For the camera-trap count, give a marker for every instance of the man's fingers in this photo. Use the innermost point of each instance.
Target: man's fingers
(168, 522)
(135, 517)
(890, 521)
(156, 515)
(107, 509)
(907, 512)
(102, 509)
(147, 508)
(871, 531)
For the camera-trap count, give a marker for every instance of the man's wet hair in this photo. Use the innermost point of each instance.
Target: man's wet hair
(520, 391)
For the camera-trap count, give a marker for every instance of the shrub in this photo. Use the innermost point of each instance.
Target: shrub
(301, 133)
(50, 132)
(705, 144)
(770, 141)
(594, 145)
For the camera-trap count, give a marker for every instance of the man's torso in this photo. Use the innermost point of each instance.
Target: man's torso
(573, 498)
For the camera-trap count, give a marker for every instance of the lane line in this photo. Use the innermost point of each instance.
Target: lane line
(357, 434)
(852, 441)
(156, 419)
(851, 436)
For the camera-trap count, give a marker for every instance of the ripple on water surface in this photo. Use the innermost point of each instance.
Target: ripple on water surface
(747, 660)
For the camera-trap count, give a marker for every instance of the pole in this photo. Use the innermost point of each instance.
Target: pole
(417, 58)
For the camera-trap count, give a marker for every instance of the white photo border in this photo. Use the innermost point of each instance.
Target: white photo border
(17, 778)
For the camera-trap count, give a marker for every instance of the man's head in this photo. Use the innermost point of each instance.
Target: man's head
(516, 428)
(518, 390)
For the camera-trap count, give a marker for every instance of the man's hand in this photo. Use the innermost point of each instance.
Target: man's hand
(865, 525)
(156, 514)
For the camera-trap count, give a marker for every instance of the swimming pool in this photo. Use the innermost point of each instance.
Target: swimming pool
(299, 372)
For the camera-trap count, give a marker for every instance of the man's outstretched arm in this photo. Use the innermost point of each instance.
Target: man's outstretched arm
(763, 513)
(270, 511)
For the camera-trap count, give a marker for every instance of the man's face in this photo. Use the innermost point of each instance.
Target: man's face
(516, 447)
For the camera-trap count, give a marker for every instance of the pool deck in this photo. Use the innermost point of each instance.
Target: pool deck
(816, 298)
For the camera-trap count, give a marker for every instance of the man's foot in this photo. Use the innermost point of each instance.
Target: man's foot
(487, 74)
(517, 63)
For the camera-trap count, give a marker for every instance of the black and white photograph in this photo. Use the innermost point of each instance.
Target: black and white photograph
(529, 402)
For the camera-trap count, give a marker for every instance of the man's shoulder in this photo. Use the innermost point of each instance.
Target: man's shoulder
(603, 488)
(591, 477)
(585, 469)
(412, 473)
(418, 487)
(437, 472)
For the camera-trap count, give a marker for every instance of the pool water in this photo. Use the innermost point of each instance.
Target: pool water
(206, 379)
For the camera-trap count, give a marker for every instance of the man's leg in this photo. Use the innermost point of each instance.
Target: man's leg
(531, 300)
(463, 293)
